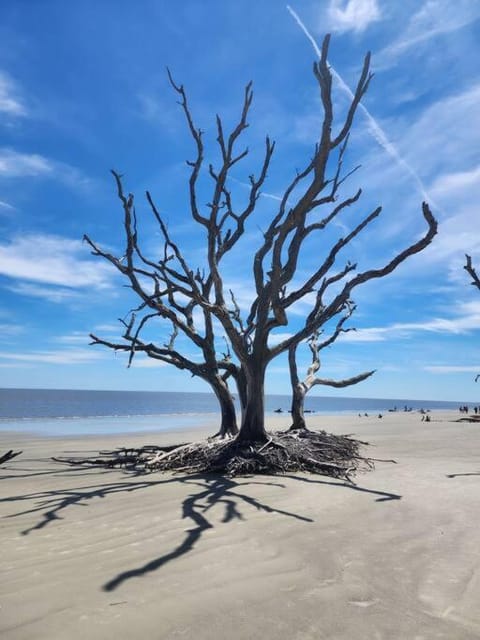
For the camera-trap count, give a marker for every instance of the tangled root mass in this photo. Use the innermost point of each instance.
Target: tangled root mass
(308, 451)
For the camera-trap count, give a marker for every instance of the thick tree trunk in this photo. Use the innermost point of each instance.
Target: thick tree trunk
(253, 416)
(298, 402)
(228, 425)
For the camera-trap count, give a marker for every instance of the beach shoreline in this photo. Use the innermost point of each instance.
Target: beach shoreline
(96, 553)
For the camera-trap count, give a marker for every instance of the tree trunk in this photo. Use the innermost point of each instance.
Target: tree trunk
(298, 402)
(228, 425)
(299, 391)
(253, 416)
(241, 382)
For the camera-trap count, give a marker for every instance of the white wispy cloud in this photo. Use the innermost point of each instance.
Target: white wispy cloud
(434, 18)
(466, 320)
(63, 356)
(374, 128)
(352, 15)
(16, 164)
(58, 295)
(277, 338)
(451, 163)
(263, 194)
(107, 327)
(450, 168)
(147, 363)
(76, 337)
(448, 368)
(8, 329)
(11, 103)
(6, 207)
(159, 111)
(52, 260)
(429, 141)
(452, 185)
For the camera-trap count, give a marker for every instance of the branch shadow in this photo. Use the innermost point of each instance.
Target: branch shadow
(53, 502)
(214, 490)
(63, 473)
(208, 491)
(456, 475)
(384, 496)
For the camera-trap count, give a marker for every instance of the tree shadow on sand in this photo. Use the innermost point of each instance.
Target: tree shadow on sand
(209, 491)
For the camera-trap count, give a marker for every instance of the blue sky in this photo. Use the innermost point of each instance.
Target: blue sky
(83, 89)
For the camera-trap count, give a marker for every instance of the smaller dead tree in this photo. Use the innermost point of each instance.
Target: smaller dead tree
(300, 388)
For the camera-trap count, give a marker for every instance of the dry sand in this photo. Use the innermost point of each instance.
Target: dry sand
(102, 554)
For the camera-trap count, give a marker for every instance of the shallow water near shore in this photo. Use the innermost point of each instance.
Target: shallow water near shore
(105, 425)
(74, 412)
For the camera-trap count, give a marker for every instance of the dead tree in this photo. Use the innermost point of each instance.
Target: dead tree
(300, 388)
(470, 269)
(169, 288)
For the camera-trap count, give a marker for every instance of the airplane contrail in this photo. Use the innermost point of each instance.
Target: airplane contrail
(375, 129)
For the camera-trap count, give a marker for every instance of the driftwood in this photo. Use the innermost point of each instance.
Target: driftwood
(284, 452)
(9, 455)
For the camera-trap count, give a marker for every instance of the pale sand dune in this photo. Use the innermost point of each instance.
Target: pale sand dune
(101, 554)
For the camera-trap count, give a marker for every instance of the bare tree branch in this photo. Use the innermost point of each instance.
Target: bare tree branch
(471, 271)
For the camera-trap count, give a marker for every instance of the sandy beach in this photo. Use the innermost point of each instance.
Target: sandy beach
(90, 553)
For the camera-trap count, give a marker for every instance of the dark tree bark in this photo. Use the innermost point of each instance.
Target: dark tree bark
(228, 421)
(253, 419)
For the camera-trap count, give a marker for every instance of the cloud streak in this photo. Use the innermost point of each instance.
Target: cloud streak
(58, 295)
(51, 260)
(16, 164)
(451, 368)
(434, 18)
(10, 102)
(353, 15)
(373, 127)
(467, 320)
(66, 356)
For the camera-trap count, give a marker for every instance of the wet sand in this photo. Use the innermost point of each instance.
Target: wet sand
(90, 553)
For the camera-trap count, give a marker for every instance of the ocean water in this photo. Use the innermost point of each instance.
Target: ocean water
(74, 412)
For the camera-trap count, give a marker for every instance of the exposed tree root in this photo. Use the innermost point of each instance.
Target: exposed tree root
(284, 452)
